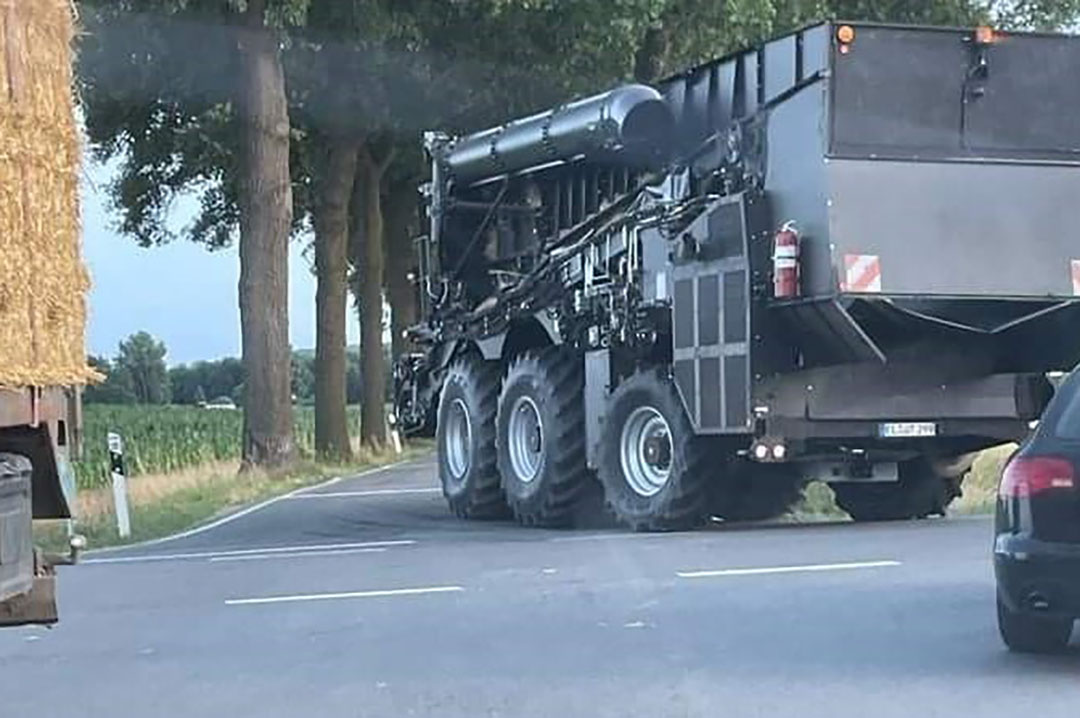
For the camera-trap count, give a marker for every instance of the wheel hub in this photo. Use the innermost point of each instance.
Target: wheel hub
(458, 440)
(525, 439)
(645, 451)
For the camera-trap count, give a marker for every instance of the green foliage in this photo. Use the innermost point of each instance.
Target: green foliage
(136, 376)
(303, 378)
(142, 359)
(166, 112)
(116, 389)
(168, 438)
(203, 380)
(1034, 14)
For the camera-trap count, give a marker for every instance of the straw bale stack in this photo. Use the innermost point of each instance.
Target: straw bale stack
(43, 282)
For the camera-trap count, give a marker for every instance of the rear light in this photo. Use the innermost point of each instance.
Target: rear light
(1028, 476)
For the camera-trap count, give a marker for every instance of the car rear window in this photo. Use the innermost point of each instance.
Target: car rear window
(1068, 425)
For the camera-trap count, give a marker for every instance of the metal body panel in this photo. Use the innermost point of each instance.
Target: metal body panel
(741, 84)
(956, 229)
(597, 388)
(934, 93)
(711, 321)
(780, 66)
(898, 90)
(796, 182)
(16, 541)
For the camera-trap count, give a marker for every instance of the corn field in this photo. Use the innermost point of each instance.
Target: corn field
(160, 439)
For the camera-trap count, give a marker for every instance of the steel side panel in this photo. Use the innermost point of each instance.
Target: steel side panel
(961, 229)
(597, 389)
(711, 320)
(796, 181)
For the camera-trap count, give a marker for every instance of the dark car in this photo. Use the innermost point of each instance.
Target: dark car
(1037, 544)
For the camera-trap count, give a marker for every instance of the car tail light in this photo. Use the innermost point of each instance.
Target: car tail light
(1028, 476)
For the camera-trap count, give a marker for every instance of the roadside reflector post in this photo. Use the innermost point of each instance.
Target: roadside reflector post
(395, 435)
(119, 484)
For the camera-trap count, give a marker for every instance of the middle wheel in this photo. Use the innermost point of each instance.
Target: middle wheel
(540, 437)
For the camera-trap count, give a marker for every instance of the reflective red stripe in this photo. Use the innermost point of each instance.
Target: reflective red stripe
(862, 273)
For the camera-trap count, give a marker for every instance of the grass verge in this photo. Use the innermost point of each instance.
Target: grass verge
(163, 504)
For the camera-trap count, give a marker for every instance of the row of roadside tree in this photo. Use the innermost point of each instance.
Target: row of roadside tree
(138, 374)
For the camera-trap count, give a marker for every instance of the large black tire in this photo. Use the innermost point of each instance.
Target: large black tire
(466, 456)
(755, 492)
(540, 427)
(678, 502)
(1026, 633)
(919, 493)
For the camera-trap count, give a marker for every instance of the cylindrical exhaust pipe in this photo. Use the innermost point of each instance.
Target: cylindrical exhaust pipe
(631, 125)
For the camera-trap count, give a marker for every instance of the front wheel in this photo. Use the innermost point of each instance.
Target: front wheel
(1026, 633)
(465, 437)
(653, 468)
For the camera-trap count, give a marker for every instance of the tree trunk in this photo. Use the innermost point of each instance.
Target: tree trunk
(400, 260)
(331, 297)
(265, 220)
(372, 359)
(650, 55)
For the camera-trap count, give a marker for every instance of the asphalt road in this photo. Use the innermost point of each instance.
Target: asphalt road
(365, 598)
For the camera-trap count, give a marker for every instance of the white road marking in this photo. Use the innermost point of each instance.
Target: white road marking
(786, 569)
(298, 554)
(247, 552)
(369, 492)
(348, 594)
(196, 530)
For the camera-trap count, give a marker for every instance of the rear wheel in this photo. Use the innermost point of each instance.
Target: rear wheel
(1026, 633)
(541, 437)
(653, 468)
(755, 492)
(465, 436)
(920, 492)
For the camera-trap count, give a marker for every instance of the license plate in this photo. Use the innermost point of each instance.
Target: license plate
(907, 429)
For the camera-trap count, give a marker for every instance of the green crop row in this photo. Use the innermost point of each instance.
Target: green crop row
(160, 439)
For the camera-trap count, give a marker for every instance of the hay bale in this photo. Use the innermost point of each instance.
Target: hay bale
(43, 282)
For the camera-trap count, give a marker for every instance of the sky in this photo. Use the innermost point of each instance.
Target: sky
(180, 293)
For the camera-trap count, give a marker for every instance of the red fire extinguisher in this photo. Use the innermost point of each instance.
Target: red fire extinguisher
(786, 262)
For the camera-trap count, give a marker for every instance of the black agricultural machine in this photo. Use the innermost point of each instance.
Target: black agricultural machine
(851, 254)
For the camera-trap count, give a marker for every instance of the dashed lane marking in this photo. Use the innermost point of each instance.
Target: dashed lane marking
(813, 568)
(345, 595)
(246, 552)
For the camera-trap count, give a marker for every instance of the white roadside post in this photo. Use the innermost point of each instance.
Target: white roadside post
(395, 435)
(119, 484)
